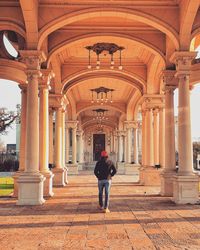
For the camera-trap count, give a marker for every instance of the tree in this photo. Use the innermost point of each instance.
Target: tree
(6, 119)
(2, 145)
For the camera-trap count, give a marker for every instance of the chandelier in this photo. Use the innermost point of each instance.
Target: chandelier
(100, 115)
(105, 48)
(102, 95)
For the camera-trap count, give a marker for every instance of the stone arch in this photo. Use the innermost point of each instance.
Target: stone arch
(137, 105)
(97, 106)
(72, 108)
(131, 106)
(90, 123)
(187, 17)
(138, 41)
(113, 12)
(130, 78)
(13, 70)
(8, 25)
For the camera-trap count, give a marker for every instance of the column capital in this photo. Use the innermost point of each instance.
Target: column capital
(182, 60)
(79, 133)
(23, 87)
(72, 124)
(56, 101)
(169, 78)
(155, 111)
(121, 133)
(46, 76)
(152, 101)
(130, 124)
(169, 89)
(32, 58)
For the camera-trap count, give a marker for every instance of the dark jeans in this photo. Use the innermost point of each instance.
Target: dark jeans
(101, 185)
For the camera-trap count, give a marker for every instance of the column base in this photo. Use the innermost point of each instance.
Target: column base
(16, 185)
(149, 176)
(167, 183)
(30, 189)
(132, 169)
(80, 166)
(59, 177)
(66, 175)
(120, 167)
(48, 184)
(186, 189)
(72, 168)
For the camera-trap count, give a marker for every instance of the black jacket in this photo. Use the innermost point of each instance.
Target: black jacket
(104, 169)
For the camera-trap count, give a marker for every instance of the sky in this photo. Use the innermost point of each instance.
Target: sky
(10, 96)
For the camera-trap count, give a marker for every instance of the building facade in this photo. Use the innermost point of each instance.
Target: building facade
(106, 71)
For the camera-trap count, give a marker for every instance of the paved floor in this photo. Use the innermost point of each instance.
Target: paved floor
(139, 219)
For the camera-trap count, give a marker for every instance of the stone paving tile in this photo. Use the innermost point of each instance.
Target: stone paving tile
(139, 220)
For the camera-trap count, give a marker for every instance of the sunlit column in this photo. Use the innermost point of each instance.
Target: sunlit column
(149, 138)
(44, 133)
(120, 144)
(51, 136)
(161, 137)
(156, 136)
(128, 143)
(74, 143)
(63, 138)
(22, 150)
(67, 145)
(186, 183)
(58, 170)
(143, 137)
(135, 131)
(170, 162)
(31, 180)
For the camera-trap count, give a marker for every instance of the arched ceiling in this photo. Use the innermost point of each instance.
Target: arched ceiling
(150, 31)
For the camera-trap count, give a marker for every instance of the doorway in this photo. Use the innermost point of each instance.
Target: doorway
(98, 145)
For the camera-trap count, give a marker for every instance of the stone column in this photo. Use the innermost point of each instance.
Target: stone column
(59, 175)
(44, 133)
(74, 143)
(162, 137)
(149, 138)
(22, 150)
(63, 138)
(143, 138)
(156, 136)
(81, 160)
(67, 145)
(170, 165)
(135, 131)
(64, 147)
(51, 151)
(73, 168)
(31, 180)
(119, 146)
(128, 143)
(186, 183)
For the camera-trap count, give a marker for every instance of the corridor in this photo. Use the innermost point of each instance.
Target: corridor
(139, 219)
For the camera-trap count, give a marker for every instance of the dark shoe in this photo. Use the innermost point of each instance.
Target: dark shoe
(99, 207)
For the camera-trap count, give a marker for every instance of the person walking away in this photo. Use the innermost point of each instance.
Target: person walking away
(104, 171)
